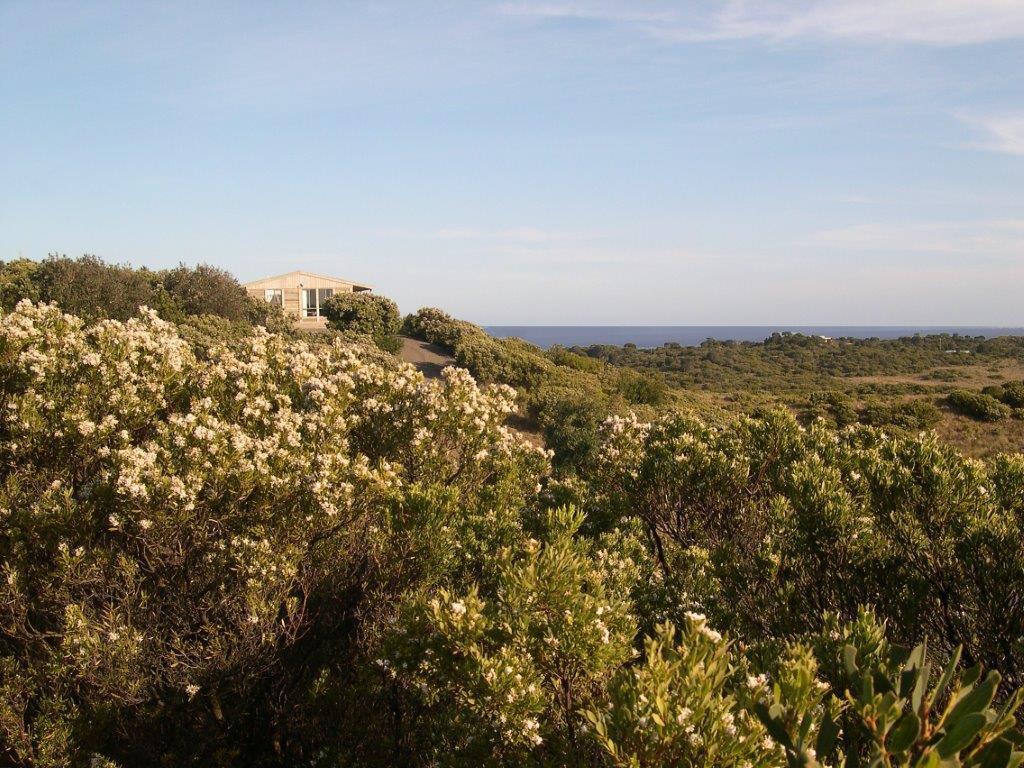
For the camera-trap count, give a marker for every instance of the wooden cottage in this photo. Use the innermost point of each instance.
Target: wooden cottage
(301, 294)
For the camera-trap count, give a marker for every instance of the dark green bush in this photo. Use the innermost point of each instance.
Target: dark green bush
(365, 313)
(912, 414)
(207, 290)
(90, 288)
(570, 420)
(836, 408)
(977, 405)
(642, 387)
(1013, 394)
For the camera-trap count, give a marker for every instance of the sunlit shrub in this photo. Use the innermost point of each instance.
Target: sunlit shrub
(183, 533)
(977, 405)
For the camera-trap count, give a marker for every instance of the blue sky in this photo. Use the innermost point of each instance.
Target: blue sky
(619, 162)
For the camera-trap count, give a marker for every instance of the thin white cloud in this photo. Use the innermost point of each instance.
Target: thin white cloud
(934, 22)
(588, 11)
(990, 238)
(1002, 133)
(519, 235)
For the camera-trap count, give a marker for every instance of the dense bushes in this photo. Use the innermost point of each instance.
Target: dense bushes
(566, 394)
(365, 313)
(765, 526)
(910, 414)
(978, 405)
(193, 546)
(787, 362)
(265, 553)
(90, 288)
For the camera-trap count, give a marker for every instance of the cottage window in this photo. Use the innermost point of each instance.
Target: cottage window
(274, 296)
(313, 300)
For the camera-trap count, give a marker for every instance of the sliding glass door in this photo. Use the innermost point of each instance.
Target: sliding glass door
(311, 299)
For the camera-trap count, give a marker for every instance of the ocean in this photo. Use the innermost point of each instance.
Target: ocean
(693, 335)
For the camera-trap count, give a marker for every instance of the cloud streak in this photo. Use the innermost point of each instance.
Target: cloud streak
(994, 238)
(930, 22)
(1002, 133)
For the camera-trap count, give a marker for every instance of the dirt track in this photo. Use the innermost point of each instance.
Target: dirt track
(430, 359)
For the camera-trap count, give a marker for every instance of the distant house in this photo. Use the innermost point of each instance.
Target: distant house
(302, 294)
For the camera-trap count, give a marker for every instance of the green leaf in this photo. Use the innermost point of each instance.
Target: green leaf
(773, 725)
(850, 660)
(978, 699)
(904, 733)
(947, 674)
(960, 734)
(920, 687)
(996, 754)
(827, 734)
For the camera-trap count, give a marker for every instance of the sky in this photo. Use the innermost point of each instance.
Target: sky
(549, 162)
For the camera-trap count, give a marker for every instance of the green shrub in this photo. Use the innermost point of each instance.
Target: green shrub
(641, 388)
(835, 407)
(977, 405)
(570, 419)
(90, 288)
(189, 535)
(1013, 394)
(438, 327)
(783, 524)
(365, 313)
(207, 290)
(912, 414)
(689, 704)
(562, 356)
(222, 546)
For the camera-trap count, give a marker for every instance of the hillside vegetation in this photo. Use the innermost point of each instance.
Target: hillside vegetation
(258, 549)
(951, 383)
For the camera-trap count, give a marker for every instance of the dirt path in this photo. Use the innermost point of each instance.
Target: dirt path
(429, 359)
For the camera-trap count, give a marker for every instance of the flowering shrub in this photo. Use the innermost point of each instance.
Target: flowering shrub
(767, 525)
(235, 548)
(173, 526)
(510, 672)
(694, 701)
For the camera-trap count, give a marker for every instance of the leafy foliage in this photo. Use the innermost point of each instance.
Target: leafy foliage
(978, 405)
(91, 289)
(365, 313)
(225, 546)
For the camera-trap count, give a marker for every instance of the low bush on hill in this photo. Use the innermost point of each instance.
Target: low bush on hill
(365, 313)
(912, 414)
(978, 405)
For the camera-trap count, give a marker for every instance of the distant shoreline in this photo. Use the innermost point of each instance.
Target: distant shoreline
(694, 335)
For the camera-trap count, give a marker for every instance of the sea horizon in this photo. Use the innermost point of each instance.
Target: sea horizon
(694, 335)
